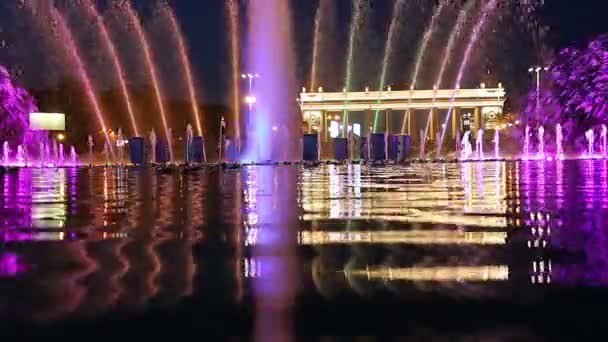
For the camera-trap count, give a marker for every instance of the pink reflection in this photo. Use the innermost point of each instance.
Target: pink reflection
(11, 265)
(274, 283)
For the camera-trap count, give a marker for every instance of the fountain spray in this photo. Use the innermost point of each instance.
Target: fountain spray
(153, 145)
(388, 49)
(189, 138)
(120, 144)
(604, 140)
(90, 143)
(6, 150)
(183, 52)
(496, 144)
(590, 135)
(541, 141)
(487, 10)
(479, 145)
(233, 9)
(61, 159)
(527, 142)
(447, 54)
(106, 153)
(316, 45)
(73, 156)
(426, 38)
(559, 136)
(111, 48)
(82, 71)
(467, 149)
(42, 154)
(354, 29)
(151, 70)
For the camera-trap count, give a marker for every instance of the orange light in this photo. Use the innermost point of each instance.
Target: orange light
(60, 137)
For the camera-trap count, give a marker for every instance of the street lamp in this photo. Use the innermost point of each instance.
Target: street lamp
(538, 71)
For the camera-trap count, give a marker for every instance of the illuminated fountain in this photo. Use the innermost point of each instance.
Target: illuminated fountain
(6, 150)
(21, 155)
(496, 144)
(479, 145)
(559, 137)
(527, 142)
(120, 144)
(355, 25)
(61, 156)
(467, 149)
(73, 156)
(149, 60)
(74, 52)
(111, 49)
(271, 56)
(189, 77)
(153, 145)
(106, 153)
(487, 10)
(55, 154)
(541, 141)
(388, 49)
(456, 31)
(90, 144)
(189, 139)
(604, 141)
(590, 137)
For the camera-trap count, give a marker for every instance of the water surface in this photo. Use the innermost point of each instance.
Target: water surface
(475, 249)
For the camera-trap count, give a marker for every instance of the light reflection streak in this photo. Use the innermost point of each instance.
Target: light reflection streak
(415, 194)
(420, 237)
(447, 273)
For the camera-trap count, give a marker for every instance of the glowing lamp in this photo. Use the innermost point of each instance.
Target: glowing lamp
(60, 137)
(250, 99)
(337, 117)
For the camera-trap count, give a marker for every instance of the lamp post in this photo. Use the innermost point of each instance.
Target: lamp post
(538, 71)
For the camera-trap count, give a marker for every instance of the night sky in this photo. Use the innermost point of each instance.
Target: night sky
(205, 27)
(204, 23)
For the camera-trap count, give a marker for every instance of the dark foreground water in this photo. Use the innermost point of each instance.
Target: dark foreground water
(465, 252)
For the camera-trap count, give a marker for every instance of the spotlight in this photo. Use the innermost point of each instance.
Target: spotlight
(60, 137)
(250, 99)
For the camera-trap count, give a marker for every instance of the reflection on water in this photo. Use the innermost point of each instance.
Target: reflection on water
(83, 242)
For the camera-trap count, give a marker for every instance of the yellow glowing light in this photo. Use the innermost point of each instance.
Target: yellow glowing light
(418, 237)
(456, 273)
(337, 117)
(60, 137)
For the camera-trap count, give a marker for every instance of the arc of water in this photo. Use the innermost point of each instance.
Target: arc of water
(388, 48)
(151, 70)
(447, 54)
(487, 10)
(183, 52)
(315, 46)
(82, 71)
(354, 29)
(111, 48)
(426, 38)
(233, 8)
